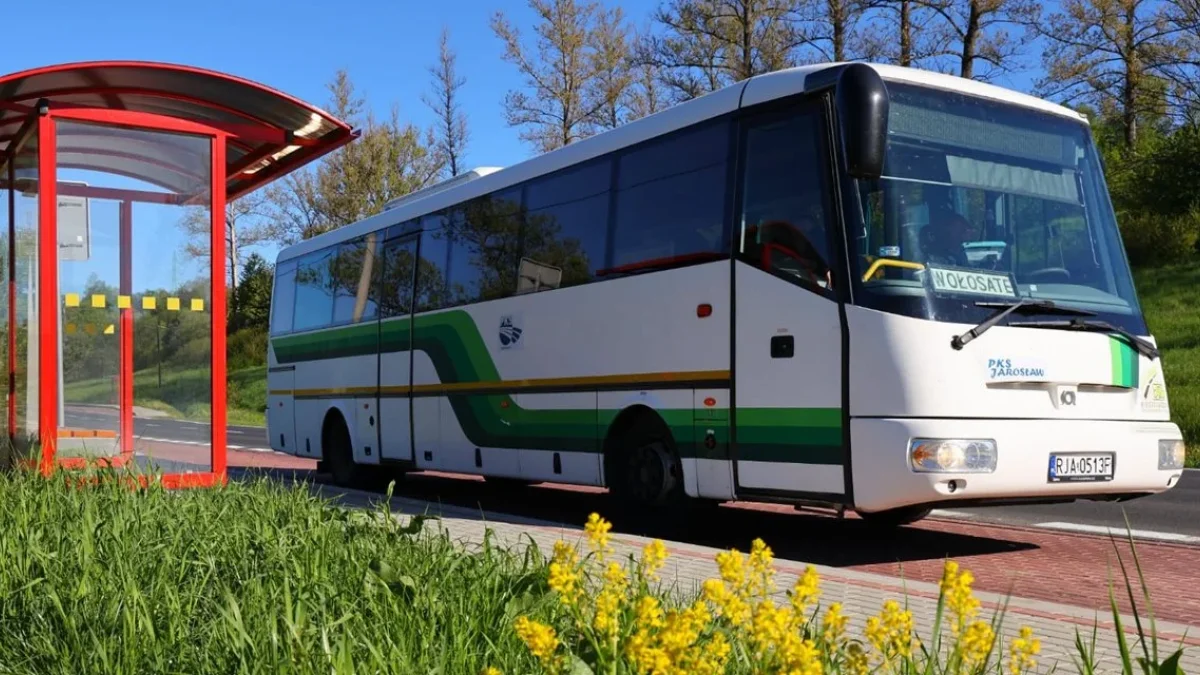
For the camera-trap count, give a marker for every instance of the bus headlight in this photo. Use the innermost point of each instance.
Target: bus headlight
(1171, 454)
(952, 455)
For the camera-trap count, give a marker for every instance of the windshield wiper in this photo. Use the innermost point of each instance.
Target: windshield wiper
(1024, 306)
(1143, 347)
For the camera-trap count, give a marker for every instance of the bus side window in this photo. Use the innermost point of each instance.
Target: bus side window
(283, 299)
(784, 219)
(431, 270)
(314, 292)
(670, 199)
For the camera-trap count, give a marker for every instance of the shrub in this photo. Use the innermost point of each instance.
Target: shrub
(1153, 239)
(246, 348)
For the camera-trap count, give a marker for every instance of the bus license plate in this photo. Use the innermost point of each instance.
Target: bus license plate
(1075, 467)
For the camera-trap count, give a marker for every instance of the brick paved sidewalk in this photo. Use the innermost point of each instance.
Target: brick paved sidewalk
(861, 593)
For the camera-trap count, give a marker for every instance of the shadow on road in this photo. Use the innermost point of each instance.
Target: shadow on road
(797, 535)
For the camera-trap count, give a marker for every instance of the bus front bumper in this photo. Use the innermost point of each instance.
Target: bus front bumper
(1026, 461)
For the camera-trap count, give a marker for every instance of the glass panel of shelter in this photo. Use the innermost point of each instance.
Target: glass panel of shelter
(135, 296)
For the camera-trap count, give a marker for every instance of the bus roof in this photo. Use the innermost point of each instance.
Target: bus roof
(754, 90)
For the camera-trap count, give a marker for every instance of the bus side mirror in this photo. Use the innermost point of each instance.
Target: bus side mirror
(862, 106)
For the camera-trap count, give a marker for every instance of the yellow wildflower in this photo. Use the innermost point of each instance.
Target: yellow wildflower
(729, 605)
(648, 613)
(539, 638)
(769, 626)
(597, 533)
(646, 658)
(891, 631)
(856, 660)
(833, 626)
(806, 591)
(712, 657)
(1022, 650)
(733, 571)
(976, 643)
(654, 556)
(491, 670)
(761, 571)
(609, 602)
(956, 587)
(800, 657)
(564, 575)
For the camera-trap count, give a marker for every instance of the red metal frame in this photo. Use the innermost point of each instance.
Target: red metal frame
(126, 337)
(11, 288)
(217, 256)
(49, 291)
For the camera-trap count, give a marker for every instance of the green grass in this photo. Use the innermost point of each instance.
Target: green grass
(257, 577)
(247, 578)
(184, 393)
(1170, 297)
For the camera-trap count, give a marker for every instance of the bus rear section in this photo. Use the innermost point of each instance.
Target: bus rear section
(281, 378)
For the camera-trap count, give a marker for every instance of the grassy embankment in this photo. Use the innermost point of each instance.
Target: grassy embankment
(184, 393)
(1170, 298)
(257, 577)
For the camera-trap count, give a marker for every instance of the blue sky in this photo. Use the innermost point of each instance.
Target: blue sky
(296, 47)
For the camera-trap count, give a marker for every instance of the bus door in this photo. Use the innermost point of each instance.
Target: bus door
(787, 329)
(397, 278)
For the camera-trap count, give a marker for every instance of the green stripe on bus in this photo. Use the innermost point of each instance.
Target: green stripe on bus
(459, 355)
(1125, 363)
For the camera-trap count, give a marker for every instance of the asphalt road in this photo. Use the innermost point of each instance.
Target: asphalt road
(1173, 515)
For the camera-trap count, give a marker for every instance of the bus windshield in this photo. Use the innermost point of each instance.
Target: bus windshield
(982, 201)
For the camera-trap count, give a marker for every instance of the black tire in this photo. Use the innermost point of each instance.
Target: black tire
(339, 456)
(894, 518)
(645, 465)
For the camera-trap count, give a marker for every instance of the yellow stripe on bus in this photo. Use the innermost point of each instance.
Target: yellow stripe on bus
(633, 380)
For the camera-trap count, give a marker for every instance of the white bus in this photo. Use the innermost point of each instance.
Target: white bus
(865, 287)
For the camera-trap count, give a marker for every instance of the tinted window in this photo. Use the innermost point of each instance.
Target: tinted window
(485, 248)
(566, 228)
(670, 198)
(431, 277)
(283, 298)
(397, 276)
(314, 296)
(785, 227)
(350, 275)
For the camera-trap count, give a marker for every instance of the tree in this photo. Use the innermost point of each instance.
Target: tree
(451, 122)
(252, 305)
(247, 223)
(612, 62)
(830, 26)
(390, 159)
(1106, 52)
(709, 44)
(560, 73)
(977, 31)
(891, 34)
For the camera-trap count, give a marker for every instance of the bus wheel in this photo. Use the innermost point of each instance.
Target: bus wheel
(649, 473)
(339, 456)
(906, 515)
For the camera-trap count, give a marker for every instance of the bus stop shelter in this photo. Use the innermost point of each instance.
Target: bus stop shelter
(115, 178)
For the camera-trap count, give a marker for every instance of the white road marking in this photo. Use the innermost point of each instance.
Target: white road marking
(1121, 532)
(951, 514)
(202, 443)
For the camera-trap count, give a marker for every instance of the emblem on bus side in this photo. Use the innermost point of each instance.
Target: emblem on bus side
(510, 331)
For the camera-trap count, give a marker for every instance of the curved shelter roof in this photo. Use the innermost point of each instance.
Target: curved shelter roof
(272, 133)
